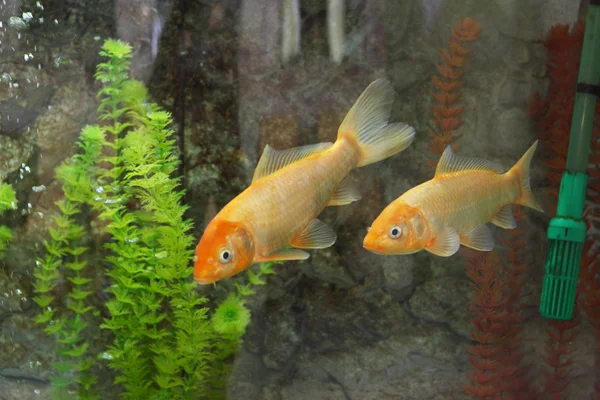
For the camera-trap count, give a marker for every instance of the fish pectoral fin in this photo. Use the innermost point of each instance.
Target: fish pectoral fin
(345, 193)
(273, 160)
(284, 255)
(479, 238)
(446, 244)
(316, 235)
(505, 218)
(451, 162)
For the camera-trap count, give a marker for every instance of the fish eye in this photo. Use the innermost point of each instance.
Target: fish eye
(224, 256)
(395, 232)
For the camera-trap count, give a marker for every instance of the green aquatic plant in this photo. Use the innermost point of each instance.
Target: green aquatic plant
(8, 201)
(165, 343)
(255, 279)
(231, 317)
(65, 259)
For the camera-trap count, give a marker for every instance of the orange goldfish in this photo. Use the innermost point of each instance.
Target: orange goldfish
(452, 208)
(291, 187)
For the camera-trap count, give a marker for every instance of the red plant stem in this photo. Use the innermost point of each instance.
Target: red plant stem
(447, 111)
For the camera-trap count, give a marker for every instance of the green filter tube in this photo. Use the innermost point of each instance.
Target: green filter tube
(567, 230)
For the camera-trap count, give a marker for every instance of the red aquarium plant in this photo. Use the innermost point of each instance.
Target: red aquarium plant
(497, 286)
(589, 287)
(558, 356)
(447, 110)
(516, 266)
(553, 113)
(487, 304)
(498, 372)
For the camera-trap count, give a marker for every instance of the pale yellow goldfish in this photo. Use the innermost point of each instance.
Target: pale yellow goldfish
(452, 208)
(291, 187)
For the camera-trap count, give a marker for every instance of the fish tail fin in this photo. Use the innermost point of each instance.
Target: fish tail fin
(366, 125)
(521, 171)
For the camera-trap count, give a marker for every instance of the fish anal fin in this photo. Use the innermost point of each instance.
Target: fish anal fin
(284, 255)
(479, 238)
(273, 160)
(445, 244)
(451, 162)
(505, 218)
(345, 193)
(316, 235)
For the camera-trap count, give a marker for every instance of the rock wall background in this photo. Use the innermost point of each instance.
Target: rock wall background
(345, 324)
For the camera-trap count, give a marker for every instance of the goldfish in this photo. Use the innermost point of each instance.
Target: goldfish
(454, 207)
(275, 218)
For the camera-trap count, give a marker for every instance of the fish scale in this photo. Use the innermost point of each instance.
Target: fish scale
(275, 202)
(463, 200)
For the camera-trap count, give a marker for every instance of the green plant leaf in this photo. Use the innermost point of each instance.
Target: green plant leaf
(254, 279)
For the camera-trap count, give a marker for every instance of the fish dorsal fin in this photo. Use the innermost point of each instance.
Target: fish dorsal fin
(316, 235)
(479, 238)
(451, 162)
(345, 193)
(273, 160)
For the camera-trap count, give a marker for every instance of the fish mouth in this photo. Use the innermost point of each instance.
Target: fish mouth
(204, 282)
(379, 249)
(375, 251)
(373, 247)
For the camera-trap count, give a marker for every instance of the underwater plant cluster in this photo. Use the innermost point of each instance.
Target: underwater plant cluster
(165, 342)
